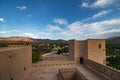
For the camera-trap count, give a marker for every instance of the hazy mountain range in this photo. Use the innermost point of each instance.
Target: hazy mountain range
(112, 40)
(32, 40)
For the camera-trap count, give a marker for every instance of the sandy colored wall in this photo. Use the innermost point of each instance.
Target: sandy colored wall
(107, 71)
(71, 46)
(80, 50)
(68, 75)
(88, 49)
(15, 63)
(94, 52)
(57, 63)
(77, 49)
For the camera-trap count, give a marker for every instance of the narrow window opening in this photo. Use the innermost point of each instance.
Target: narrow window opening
(24, 68)
(81, 60)
(99, 46)
(10, 56)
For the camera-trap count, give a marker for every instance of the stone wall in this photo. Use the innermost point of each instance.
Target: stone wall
(58, 63)
(80, 50)
(71, 46)
(93, 49)
(103, 70)
(15, 62)
(77, 50)
(96, 50)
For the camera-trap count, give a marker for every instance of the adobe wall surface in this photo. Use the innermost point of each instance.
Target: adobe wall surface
(15, 63)
(71, 46)
(103, 69)
(80, 50)
(96, 52)
(58, 63)
(93, 49)
(77, 50)
(68, 75)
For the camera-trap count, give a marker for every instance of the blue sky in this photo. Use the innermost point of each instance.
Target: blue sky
(60, 19)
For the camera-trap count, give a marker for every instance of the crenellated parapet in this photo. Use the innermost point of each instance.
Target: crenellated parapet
(103, 69)
(43, 64)
(18, 46)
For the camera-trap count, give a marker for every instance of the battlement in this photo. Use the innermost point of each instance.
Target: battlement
(102, 70)
(18, 46)
(57, 63)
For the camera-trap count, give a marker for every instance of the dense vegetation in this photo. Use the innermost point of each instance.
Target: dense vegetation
(113, 55)
(40, 49)
(3, 44)
(62, 50)
(35, 56)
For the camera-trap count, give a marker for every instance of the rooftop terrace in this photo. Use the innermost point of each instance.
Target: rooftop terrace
(50, 73)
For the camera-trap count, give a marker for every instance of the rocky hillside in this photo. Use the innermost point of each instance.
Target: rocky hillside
(113, 40)
(16, 39)
(27, 39)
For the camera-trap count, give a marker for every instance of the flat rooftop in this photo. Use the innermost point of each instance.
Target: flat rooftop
(50, 73)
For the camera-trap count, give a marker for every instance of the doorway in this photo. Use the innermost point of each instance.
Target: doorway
(81, 60)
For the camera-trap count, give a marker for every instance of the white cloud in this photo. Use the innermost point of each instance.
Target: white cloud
(29, 15)
(2, 20)
(102, 3)
(45, 35)
(98, 15)
(29, 35)
(21, 7)
(96, 29)
(85, 5)
(76, 26)
(61, 21)
(97, 4)
(8, 31)
(53, 28)
(37, 34)
(108, 34)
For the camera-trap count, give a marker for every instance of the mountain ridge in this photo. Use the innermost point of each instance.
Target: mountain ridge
(30, 40)
(112, 40)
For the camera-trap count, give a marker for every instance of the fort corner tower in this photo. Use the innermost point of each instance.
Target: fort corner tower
(92, 49)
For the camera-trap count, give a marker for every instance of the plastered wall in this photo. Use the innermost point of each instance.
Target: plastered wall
(105, 70)
(80, 50)
(57, 63)
(71, 46)
(15, 63)
(96, 50)
(77, 49)
(88, 49)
